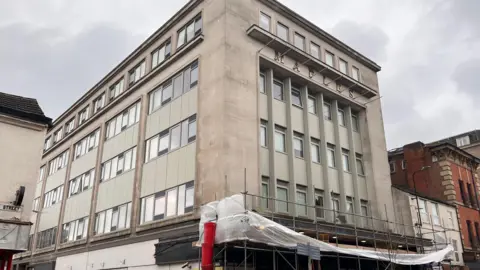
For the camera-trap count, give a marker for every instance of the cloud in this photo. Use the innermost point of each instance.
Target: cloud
(55, 67)
(367, 39)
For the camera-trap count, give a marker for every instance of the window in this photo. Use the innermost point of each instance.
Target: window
(435, 217)
(451, 222)
(46, 238)
(354, 123)
(113, 219)
(327, 112)
(161, 54)
(319, 204)
(423, 211)
(87, 144)
(298, 145)
(342, 65)
(280, 139)
(299, 41)
(47, 144)
(341, 117)
(455, 249)
(74, 230)
(264, 21)
(470, 234)
(119, 164)
(36, 204)
(282, 31)
(329, 58)
(189, 31)
(312, 105)
(336, 202)
(462, 141)
(58, 163)
(282, 198)
(315, 150)
(350, 205)
(278, 90)
(83, 115)
(116, 89)
(315, 50)
(360, 170)
(81, 183)
(364, 208)
(70, 126)
(355, 74)
(462, 192)
(122, 121)
(346, 160)
(57, 135)
(261, 83)
(471, 196)
(301, 201)
(296, 98)
(172, 138)
(392, 166)
(265, 192)
(172, 88)
(137, 73)
(41, 173)
(263, 133)
(98, 103)
(167, 203)
(434, 158)
(53, 196)
(331, 155)
(404, 164)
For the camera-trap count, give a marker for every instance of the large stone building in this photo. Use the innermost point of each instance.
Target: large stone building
(22, 130)
(226, 96)
(447, 173)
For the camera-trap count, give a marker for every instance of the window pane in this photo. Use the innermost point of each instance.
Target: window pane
(326, 111)
(184, 139)
(265, 22)
(192, 129)
(113, 171)
(301, 204)
(311, 105)
(122, 215)
(108, 220)
(331, 157)
(153, 145)
(360, 167)
(101, 222)
(198, 25)
(282, 196)
(85, 228)
(279, 142)
(118, 125)
(194, 75)
(299, 42)
(164, 141)
(296, 99)
(354, 123)
(278, 90)
(128, 160)
(298, 147)
(282, 31)
(131, 115)
(189, 197)
(149, 208)
(346, 162)
(315, 153)
(263, 136)
(342, 66)
(190, 31)
(157, 99)
(341, 117)
(175, 138)
(167, 92)
(171, 202)
(160, 206)
(265, 192)
(115, 219)
(106, 170)
(186, 80)
(181, 200)
(181, 37)
(129, 211)
(178, 86)
(329, 59)
(355, 74)
(315, 51)
(261, 83)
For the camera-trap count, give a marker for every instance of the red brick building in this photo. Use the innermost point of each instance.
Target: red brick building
(448, 174)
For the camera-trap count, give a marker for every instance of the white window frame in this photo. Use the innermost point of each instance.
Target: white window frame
(392, 166)
(297, 94)
(327, 55)
(260, 22)
(313, 45)
(343, 63)
(281, 25)
(315, 145)
(346, 160)
(355, 73)
(341, 118)
(264, 136)
(327, 111)
(282, 133)
(278, 83)
(331, 150)
(299, 153)
(300, 38)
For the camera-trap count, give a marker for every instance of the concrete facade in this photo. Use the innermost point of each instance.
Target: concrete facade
(204, 131)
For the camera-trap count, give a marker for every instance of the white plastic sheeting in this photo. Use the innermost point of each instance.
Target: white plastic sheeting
(234, 223)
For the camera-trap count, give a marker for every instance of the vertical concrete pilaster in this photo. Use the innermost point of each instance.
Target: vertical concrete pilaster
(272, 185)
(308, 155)
(327, 204)
(353, 159)
(40, 208)
(338, 156)
(139, 161)
(292, 186)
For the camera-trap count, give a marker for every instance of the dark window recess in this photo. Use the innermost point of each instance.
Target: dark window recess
(174, 251)
(473, 242)
(471, 195)
(462, 192)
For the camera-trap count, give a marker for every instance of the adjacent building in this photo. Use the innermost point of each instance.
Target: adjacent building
(444, 172)
(227, 96)
(23, 126)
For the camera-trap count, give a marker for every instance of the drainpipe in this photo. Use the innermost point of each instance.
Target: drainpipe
(207, 246)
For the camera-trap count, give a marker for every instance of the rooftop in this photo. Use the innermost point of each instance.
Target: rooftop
(23, 108)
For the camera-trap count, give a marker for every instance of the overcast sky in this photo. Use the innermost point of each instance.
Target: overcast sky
(56, 50)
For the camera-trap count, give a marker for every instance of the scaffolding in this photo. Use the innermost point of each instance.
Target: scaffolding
(347, 230)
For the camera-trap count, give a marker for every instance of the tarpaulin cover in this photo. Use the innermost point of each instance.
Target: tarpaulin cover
(234, 223)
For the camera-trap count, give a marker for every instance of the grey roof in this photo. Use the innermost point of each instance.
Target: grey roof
(22, 107)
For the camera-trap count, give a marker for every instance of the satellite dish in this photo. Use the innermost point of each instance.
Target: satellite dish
(19, 196)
